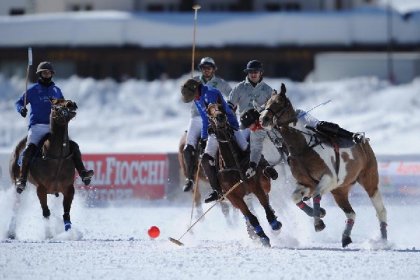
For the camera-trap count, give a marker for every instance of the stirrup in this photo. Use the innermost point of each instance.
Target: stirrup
(188, 185)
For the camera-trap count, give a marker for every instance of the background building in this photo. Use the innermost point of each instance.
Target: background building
(152, 39)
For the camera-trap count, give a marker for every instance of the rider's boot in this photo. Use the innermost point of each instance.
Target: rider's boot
(85, 175)
(209, 167)
(268, 170)
(28, 154)
(335, 130)
(189, 160)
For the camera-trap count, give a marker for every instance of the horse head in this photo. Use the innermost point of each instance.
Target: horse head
(62, 111)
(217, 116)
(278, 111)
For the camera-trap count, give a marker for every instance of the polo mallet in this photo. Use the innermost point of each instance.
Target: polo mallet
(178, 241)
(197, 174)
(27, 74)
(196, 7)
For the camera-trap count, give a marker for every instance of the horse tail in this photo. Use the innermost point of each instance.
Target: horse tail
(369, 177)
(13, 163)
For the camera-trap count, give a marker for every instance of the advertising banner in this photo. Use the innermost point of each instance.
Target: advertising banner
(126, 176)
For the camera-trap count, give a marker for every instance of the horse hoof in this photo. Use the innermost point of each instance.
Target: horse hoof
(322, 213)
(275, 225)
(67, 225)
(11, 235)
(346, 240)
(319, 226)
(265, 241)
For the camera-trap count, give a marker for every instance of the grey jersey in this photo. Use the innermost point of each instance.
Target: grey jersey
(244, 95)
(215, 82)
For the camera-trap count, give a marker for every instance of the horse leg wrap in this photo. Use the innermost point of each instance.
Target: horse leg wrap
(67, 222)
(305, 208)
(349, 227)
(317, 206)
(384, 234)
(46, 212)
(272, 218)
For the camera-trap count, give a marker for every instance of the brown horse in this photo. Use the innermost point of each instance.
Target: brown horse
(201, 177)
(320, 168)
(235, 162)
(54, 171)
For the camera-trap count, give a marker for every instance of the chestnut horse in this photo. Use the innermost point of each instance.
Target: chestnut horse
(201, 177)
(320, 168)
(235, 162)
(54, 172)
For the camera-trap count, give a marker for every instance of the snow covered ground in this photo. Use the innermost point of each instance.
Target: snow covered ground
(136, 116)
(112, 243)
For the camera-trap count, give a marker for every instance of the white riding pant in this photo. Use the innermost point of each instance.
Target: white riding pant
(212, 144)
(36, 132)
(194, 131)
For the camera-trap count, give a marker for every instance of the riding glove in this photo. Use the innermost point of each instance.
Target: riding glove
(252, 169)
(23, 112)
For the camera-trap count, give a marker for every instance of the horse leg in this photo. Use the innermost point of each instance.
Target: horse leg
(251, 219)
(318, 222)
(369, 181)
(41, 192)
(269, 212)
(67, 200)
(300, 195)
(342, 200)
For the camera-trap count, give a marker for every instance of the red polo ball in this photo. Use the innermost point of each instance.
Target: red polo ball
(153, 232)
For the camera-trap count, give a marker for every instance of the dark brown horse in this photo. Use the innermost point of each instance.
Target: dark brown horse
(234, 163)
(201, 177)
(53, 172)
(320, 168)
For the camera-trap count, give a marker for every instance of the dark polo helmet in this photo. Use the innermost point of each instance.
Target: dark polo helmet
(43, 66)
(253, 65)
(249, 117)
(188, 90)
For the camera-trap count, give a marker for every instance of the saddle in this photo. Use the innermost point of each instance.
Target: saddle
(330, 139)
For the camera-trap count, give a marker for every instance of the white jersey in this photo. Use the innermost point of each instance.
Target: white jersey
(246, 97)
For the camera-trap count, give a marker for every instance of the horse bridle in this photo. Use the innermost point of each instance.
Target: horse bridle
(279, 113)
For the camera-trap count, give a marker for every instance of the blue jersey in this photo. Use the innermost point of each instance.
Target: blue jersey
(210, 95)
(39, 96)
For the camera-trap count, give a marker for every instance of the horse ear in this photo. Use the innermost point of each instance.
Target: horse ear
(282, 89)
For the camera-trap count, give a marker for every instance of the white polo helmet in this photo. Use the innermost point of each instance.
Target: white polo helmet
(207, 61)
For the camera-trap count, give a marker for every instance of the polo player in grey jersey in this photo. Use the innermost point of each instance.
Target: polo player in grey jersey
(250, 93)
